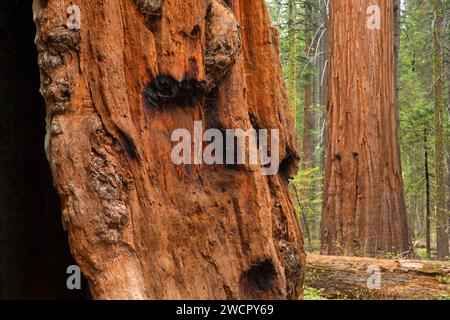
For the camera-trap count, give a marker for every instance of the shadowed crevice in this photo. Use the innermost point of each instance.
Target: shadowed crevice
(165, 91)
(259, 278)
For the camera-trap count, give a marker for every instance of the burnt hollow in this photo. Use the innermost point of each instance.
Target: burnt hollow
(128, 145)
(212, 110)
(288, 165)
(259, 278)
(34, 251)
(211, 100)
(229, 3)
(165, 91)
(255, 125)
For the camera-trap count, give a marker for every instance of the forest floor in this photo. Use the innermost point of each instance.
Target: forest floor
(353, 278)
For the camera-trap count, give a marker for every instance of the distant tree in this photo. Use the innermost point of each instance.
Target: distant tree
(438, 80)
(364, 211)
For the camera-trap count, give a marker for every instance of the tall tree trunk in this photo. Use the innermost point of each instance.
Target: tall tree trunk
(397, 39)
(448, 145)
(419, 215)
(364, 210)
(139, 225)
(441, 205)
(412, 209)
(292, 62)
(324, 82)
(428, 200)
(448, 115)
(323, 7)
(307, 117)
(307, 140)
(307, 144)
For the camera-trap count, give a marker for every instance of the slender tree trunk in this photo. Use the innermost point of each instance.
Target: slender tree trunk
(324, 82)
(412, 209)
(448, 117)
(307, 116)
(324, 50)
(448, 150)
(292, 63)
(428, 200)
(308, 124)
(141, 226)
(307, 141)
(419, 215)
(441, 204)
(364, 210)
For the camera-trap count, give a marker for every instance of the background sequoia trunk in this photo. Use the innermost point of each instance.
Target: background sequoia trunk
(140, 226)
(364, 210)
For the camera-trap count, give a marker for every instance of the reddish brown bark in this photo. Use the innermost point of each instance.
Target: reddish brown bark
(140, 226)
(364, 210)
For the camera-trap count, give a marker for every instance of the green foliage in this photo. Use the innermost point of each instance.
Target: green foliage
(307, 189)
(417, 110)
(422, 253)
(312, 275)
(314, 294)
(443, 279)
(341, 296)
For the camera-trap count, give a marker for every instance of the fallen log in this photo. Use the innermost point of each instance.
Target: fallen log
(367, 278)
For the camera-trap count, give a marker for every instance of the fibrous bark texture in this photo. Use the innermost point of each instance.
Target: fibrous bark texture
(366, 278)
(364, 210)
(140, 226)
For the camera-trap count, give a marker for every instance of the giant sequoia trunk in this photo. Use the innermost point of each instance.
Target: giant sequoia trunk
(139, 225)
(364, 210)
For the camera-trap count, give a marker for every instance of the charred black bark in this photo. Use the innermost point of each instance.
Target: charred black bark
(165, 91)
(259, 278)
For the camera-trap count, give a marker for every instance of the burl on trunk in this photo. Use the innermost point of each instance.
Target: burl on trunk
(139, 225)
